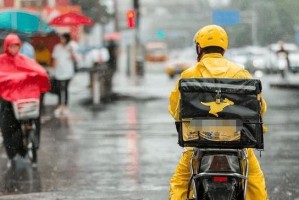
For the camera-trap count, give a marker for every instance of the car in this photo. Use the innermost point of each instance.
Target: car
(252, 58)
(156, 52)
(88, 56)
(176, 67)
(183, 60)
(294, 61)
(237, 55)
(256, 59)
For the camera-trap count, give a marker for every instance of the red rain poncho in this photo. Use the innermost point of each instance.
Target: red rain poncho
(20, 76)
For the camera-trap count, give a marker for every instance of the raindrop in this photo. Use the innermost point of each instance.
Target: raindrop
(276, 190)
(289, 193)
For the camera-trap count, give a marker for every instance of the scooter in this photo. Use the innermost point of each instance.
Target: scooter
(20, 128)
(218, 174)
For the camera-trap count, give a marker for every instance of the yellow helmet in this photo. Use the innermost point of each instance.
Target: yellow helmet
(211, 35)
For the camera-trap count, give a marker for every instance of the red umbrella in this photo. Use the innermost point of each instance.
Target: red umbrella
(71, 19)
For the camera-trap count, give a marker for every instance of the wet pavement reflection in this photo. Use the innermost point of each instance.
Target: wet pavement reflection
(128, 149)
(21, 178)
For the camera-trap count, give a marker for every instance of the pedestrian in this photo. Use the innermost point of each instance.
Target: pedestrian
(107, 91)
(63, 62)
(42, 54)
(283, 60)
(27, 49)
(211, 42)
(43, 57)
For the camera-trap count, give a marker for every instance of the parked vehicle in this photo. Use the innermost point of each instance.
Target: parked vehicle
(294, 61)
(257, 59)
(156, 52)
(252, 58)
(237, 55)
(89, 56)
(183, 60)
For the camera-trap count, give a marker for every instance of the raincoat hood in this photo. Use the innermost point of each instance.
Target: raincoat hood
(20, 76)
(215, 65)
(11, 39)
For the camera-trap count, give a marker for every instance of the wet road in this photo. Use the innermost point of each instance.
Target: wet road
(127, 149)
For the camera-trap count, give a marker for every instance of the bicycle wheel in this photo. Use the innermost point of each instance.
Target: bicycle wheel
(31, 147)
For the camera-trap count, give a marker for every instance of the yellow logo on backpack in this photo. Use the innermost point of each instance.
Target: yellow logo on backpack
(215, 107)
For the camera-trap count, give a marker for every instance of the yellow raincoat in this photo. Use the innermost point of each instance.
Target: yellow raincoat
(213, 65)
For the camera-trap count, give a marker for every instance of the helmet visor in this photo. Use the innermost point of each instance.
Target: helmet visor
(197, 48)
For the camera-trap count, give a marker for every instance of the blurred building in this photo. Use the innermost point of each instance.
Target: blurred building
(48, 9)
(32, 3)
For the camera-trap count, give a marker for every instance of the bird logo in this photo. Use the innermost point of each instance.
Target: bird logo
(215, 107)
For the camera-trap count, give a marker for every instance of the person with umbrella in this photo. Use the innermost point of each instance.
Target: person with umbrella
(27, 49)
(71, 19)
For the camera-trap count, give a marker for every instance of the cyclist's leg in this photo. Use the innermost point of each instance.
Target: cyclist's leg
(256, 188)
(37, 130)
(10, 127)
(179, 180)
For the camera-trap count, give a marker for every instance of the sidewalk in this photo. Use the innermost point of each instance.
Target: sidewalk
(154, 84)
(290, 82)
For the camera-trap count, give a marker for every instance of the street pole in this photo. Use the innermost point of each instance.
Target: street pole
(138, 49)
(133, 25)
(250, 17)
(254, 27)
(116, 24)
(133, 55)
(96, 96)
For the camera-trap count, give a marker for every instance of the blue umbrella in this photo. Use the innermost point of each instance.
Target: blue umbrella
(24, 22)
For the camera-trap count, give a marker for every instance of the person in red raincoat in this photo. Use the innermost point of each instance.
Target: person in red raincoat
(20, 78)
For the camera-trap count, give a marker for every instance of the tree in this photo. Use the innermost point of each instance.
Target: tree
(276, 20)
(95, 10)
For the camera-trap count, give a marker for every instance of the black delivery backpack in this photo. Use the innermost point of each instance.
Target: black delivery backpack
(220, 113)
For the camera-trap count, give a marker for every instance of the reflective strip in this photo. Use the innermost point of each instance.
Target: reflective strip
(218, 85)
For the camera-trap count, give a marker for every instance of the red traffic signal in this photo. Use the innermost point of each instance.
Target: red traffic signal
(131, 18)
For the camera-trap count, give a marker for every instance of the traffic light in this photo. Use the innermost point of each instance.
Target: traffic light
(131, 18)
(136, 4)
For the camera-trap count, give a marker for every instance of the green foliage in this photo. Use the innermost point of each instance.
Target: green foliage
(241, 35)
(94, 9)
(276, 20)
